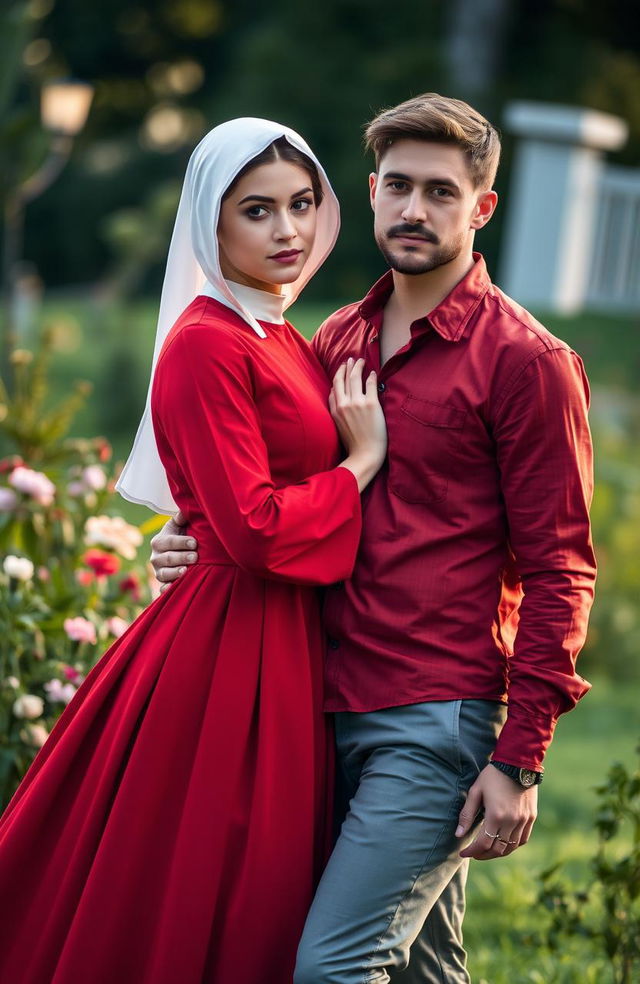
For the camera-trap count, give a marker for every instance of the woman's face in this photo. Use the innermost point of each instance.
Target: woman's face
(267, 226)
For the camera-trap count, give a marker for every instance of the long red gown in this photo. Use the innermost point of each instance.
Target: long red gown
(173, 827)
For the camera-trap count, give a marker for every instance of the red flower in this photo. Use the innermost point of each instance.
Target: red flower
(10, 463)
(131, 585)
(102, 564)
(104, 449)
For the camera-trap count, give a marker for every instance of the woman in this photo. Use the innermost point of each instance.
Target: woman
(174, 825)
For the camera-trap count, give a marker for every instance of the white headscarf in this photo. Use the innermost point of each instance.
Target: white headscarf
(193, 264)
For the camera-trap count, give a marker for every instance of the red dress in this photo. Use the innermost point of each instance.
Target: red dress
(173, 827)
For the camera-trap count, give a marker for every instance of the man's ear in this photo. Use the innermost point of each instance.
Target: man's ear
(373, 184)
(485, 207)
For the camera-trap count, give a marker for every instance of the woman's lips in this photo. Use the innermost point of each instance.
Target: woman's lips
(287, 256)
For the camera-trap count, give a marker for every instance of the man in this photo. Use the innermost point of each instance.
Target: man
(451, 650)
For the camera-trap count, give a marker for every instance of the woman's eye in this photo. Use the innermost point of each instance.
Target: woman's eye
(302, 205)
(256, 211)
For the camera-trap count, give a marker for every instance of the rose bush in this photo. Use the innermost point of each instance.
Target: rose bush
(71, 581)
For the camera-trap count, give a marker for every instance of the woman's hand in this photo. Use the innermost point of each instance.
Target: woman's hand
(357, 413)
(172, 551)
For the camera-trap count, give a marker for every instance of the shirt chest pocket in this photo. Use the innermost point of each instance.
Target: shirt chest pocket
(422, 445)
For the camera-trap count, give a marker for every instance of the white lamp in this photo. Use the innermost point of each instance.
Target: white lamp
(65, 105)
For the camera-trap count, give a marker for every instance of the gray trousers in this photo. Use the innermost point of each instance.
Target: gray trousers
(390, 903)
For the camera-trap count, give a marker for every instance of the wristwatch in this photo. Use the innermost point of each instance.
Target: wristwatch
(524, 777)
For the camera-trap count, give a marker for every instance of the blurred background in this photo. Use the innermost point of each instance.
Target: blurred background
(101, 104)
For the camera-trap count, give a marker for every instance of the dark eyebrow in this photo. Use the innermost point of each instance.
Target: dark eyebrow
(432, 182)
(271, 201)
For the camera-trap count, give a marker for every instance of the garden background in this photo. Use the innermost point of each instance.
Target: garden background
(82, 303)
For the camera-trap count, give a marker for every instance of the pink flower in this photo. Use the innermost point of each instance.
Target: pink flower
(85, 578)
(58, 692)
(80, 630)
(44, 574)
(113, 532)
(76, 489)
(33, 483)
(117, 626)
(8, 500)
(94, 477)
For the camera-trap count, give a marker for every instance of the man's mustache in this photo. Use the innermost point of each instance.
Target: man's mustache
(414, 230)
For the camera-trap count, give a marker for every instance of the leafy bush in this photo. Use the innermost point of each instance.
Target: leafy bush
(604, 915)
(70, 580)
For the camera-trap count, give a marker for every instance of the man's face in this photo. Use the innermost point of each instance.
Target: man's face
(426, 207)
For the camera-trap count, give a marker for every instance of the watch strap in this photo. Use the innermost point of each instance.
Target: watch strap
(524, 777)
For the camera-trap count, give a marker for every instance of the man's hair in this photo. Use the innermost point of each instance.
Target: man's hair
(439, 119)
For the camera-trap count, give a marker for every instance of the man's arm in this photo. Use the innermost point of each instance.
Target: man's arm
(543, 450)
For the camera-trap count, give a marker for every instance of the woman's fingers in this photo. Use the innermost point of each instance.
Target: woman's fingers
(355, 388)
(340, 383)
(349, 388)
(371, 386)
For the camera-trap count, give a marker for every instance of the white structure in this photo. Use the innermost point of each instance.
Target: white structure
(614, 280)
(555, 203)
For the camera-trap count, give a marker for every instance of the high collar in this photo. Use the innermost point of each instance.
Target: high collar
(263, 305)
(451, 316)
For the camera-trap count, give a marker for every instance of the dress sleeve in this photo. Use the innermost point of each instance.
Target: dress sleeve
(544, 454)
(203, 406)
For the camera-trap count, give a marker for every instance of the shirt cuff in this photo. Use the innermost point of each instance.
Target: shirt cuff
(524, 740)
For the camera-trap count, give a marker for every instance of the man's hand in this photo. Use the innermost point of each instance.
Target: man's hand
(509, 814)
(172, 551)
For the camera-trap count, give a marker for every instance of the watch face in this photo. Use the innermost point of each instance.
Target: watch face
(527, 777)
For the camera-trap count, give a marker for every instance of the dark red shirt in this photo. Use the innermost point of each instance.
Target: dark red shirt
(475, 572)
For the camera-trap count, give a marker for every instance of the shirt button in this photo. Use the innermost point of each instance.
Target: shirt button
(381, 387)
(334, 644)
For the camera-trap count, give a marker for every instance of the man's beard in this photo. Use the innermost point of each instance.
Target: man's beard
(415, 265)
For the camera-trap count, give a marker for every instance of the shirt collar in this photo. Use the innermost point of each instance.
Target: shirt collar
(451, 316)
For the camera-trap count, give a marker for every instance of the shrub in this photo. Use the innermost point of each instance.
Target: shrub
(604, 914)
(70, 579)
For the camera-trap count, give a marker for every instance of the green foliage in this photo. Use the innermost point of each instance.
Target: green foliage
(325, 68)
(37, 432)
(604, 914)
(138, 238)
(70, 582)
(22, 142)
(610, 348)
